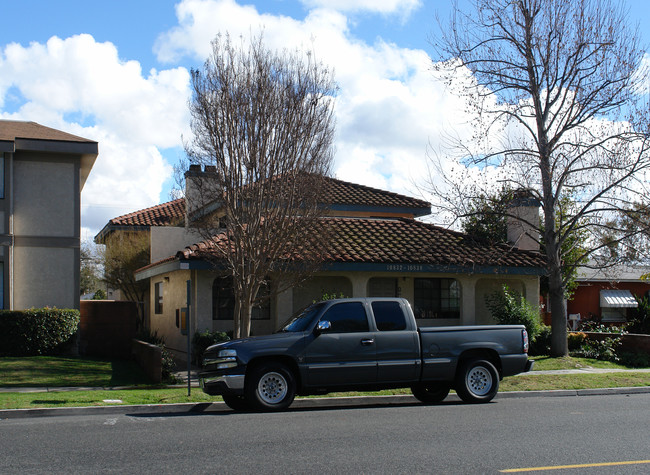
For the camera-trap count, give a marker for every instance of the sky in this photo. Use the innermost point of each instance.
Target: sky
(118, 71)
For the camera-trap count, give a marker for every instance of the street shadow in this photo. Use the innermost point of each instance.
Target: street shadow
(209, 409)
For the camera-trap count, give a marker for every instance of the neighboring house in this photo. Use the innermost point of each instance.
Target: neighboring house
(607, 294)
(379, 249)
(42, 173)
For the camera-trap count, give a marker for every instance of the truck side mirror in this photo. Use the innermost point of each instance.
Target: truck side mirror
(323, 326)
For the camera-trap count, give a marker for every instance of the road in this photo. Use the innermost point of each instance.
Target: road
(450, 438)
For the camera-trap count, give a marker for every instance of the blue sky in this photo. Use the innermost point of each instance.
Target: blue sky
(117, 72)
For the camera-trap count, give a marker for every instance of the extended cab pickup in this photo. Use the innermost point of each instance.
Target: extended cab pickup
(363, 344)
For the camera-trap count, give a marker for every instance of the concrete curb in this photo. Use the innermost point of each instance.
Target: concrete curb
(157, 410)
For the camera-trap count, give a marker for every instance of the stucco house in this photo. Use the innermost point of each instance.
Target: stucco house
(379, 248)
(42, 173)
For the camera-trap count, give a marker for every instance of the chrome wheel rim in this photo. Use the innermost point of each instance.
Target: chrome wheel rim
(479, 381)
(272, 388)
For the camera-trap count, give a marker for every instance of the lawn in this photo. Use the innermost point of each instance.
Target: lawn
(56, 371)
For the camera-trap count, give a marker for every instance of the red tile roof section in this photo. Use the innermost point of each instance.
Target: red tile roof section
(338, 193)
(406, 241)
(165, 214)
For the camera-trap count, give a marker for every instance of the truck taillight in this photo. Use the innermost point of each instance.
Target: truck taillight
(524, 336)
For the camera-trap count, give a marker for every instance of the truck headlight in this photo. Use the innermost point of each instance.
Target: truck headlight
(224, 359)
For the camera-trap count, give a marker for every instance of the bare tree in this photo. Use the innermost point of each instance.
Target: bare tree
(126, 252)
(556, 88)
(263, 128)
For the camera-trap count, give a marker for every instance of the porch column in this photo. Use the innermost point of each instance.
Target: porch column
(467, 300)
(359, 285)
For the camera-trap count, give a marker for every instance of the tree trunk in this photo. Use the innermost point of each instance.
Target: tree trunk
(237, 319)
(559, 344)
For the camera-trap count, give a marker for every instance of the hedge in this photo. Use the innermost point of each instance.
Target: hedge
(37, 331)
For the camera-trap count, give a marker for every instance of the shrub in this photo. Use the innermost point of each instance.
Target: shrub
(640, 320)
(600, 350)
(202, 340)
(510, 308)
(635, 359)
(542, 344)
(38, 331)
(576, 340)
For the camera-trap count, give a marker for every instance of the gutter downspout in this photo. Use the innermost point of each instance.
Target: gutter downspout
(10, 182)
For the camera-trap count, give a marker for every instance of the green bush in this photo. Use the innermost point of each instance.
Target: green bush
(510, 308)
(605, 350)
(640, 320)
(635, 359)
(576, 340)
(201, 341)
(37, 331)
(542, 344)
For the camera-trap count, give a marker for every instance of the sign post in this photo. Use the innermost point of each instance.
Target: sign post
(189, 346)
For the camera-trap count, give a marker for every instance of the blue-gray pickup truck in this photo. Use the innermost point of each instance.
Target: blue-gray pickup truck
(363, 344)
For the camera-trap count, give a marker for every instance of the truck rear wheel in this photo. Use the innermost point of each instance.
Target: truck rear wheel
(430, 393)
(270, 387)
(477, 381)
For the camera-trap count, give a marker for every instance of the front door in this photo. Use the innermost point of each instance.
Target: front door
(345, 354)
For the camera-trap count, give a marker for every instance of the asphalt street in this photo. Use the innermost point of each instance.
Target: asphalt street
(509, 433)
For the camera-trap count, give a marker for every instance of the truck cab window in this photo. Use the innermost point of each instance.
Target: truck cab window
(347, 317)
(389, 316)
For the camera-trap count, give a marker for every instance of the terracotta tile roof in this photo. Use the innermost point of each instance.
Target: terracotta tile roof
(165, 214)
(406, 241)
(344, 193)
(338, 193)
(10, 130)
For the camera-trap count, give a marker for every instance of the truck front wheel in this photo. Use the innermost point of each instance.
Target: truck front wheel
(270, 387)
(477, 381)
(430, 393)
(236, 403)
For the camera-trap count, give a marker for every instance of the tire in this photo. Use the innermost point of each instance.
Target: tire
(236, 403)
(477, 381)
(430, 393)
(270, 387)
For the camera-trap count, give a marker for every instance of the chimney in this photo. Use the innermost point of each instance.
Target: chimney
(200, 189)
(523, 220)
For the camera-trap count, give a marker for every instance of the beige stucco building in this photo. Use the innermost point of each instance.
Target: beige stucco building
(42, 173)
(378, 248)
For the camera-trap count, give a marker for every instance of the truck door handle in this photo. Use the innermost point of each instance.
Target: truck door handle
(367, 342)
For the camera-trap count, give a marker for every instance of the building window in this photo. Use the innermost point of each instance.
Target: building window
(223, 301)
(158, 297)
(437, 298)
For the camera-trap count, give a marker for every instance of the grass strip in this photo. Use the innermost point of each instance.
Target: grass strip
(179, 395)
(61, 371)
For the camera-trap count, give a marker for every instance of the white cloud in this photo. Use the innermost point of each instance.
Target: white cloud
(402, 7)
(81, 86)
(390, 103)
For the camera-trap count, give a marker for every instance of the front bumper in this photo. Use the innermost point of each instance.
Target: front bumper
(216, 384)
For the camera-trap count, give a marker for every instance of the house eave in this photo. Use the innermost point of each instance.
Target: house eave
(171, 266)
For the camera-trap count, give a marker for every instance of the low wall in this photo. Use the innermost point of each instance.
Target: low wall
(631, 342)
(149, 358)
(106, 328)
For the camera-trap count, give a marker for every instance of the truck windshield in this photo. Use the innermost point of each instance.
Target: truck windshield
(302, 321)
